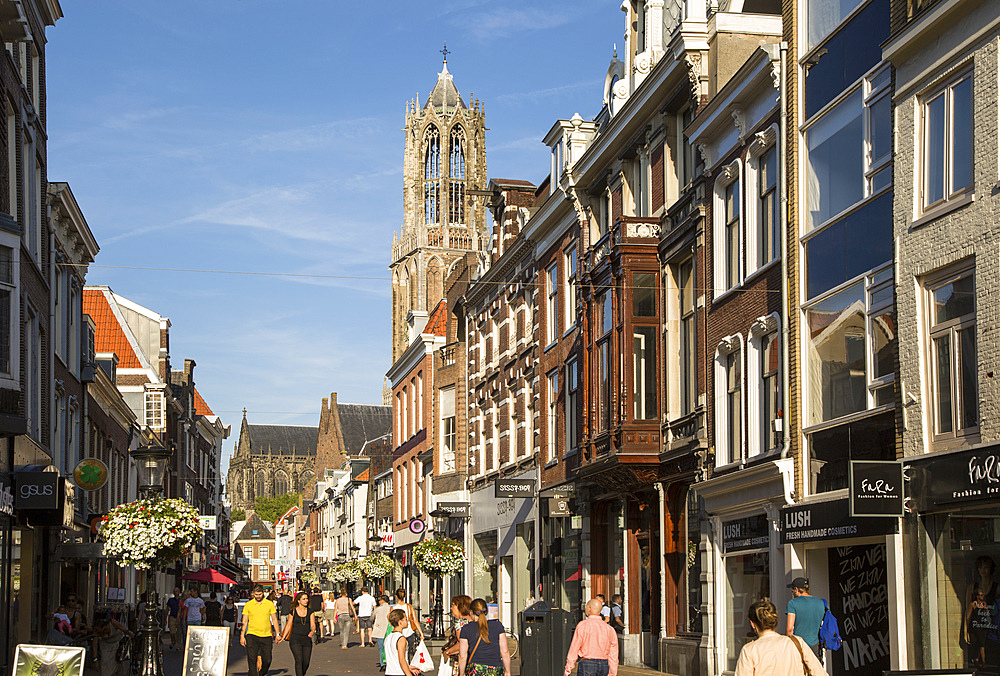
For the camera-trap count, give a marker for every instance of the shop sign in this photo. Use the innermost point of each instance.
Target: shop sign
(417, 526)
(90, 474)
(258, 562)
(30, 660)
(207, 522)
(206, 651)
(876, 488)
(387, 541)
(455, 508)
(243, 562)
(514, 488)
(559, 507)
(36, 490)
(751, 532)
(214, 559)
(224, 549)
(955, 478)
(6, 495)
(830, 520)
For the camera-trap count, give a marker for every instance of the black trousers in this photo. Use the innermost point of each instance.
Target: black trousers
(259, 646)
(301, 653)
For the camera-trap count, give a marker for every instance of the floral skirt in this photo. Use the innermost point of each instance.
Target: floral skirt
(475, 669)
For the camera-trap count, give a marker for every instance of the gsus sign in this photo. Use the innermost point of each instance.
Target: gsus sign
(36, 490)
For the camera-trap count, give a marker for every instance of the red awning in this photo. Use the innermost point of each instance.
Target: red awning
(209, 575)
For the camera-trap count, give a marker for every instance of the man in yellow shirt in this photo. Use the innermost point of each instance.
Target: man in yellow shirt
(260, 618)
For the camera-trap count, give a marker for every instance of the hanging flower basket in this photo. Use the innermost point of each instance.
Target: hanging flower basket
(440, 556)
(376, 565)
(309, 576)
(150, 533)
(350, 571)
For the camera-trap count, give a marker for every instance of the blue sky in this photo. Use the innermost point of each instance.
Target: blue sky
(265, 137)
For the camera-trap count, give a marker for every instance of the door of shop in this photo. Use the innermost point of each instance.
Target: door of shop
(506, 589)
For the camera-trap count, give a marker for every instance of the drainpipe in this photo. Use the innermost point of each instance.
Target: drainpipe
(785, 465)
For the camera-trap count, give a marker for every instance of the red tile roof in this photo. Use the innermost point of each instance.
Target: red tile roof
(108, 336)
(200, 407)
(437, 323)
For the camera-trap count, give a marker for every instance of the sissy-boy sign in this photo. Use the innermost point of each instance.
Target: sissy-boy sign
(876, 488)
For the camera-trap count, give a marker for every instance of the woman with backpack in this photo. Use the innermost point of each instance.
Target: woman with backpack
(773, 654)
(482, 645)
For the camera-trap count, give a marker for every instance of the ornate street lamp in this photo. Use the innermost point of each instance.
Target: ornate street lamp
(440, 517)
(151, 461)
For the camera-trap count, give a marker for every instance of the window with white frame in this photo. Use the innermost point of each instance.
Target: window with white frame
(763, 239)
(946, 118)
(572, 403)
(848, 150)
(764, 389)
(10, 249)
(729, 401)
(850, 347)
(558, 160)
(262, 552)
(953, 355)
(728, 229)
(569, 281)
(687, 370)
(154, 409)
(447, 454)
(552, 394)
(551, 304)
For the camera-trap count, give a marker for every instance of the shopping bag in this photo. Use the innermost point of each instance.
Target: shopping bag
(444, 669)
(422, 658)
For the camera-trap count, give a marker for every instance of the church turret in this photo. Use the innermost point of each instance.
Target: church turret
(444, 176)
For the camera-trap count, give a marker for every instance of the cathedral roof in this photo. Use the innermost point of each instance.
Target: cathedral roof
(282, 439)
(361, 423)
(445, 95)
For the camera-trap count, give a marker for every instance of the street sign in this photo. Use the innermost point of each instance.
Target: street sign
(207, 522)
(514, 488)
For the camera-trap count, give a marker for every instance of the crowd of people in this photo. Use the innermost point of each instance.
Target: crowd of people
(477, 645)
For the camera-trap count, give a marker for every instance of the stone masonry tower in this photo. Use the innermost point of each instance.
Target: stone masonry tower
(444, 178)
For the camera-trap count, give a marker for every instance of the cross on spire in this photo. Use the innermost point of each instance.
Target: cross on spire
(445, 52)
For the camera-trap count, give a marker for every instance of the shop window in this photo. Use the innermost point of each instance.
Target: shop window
(850, 349)
(747, 580)
(848, 150)
(953, 357)
(692, 568)
(832, 449)
(484, 566)
(727, 229)
(729, 401)
(946, 118)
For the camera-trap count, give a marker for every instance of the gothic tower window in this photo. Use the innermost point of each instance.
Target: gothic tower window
(281, 486)
(261, 487)
(432, 173)
(456, 186)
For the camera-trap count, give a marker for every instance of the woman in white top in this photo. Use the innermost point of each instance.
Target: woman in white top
(396, 663)
(773, 654)
(411, 614)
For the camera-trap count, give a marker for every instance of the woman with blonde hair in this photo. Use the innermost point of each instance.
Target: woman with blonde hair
(482, 645)
(462, 615)
(773, 654)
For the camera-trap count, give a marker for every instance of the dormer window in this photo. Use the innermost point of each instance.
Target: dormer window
(558, 162)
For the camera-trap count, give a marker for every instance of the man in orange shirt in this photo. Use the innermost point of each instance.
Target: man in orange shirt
(595, 644)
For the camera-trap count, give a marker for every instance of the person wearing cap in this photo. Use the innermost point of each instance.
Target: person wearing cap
(805, 615)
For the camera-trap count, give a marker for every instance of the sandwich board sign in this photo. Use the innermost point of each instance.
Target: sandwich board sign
(206, 651)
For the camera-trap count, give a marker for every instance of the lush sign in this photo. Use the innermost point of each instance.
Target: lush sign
(747, 533)
(829, 520)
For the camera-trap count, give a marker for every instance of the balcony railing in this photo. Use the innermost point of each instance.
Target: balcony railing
(448, 353)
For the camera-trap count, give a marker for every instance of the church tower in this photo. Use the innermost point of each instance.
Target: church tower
(444, 176)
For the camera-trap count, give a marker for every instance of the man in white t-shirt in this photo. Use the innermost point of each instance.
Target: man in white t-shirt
(366, 605)
(194, 609)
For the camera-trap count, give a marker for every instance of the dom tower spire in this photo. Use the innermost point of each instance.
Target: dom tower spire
(444, 166)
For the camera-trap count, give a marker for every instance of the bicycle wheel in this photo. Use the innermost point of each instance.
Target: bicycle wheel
(512, 644)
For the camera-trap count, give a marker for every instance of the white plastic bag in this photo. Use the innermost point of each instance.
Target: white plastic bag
(444, 669)
(422, 658)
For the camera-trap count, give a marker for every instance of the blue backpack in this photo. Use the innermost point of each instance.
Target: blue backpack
(829, 632)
